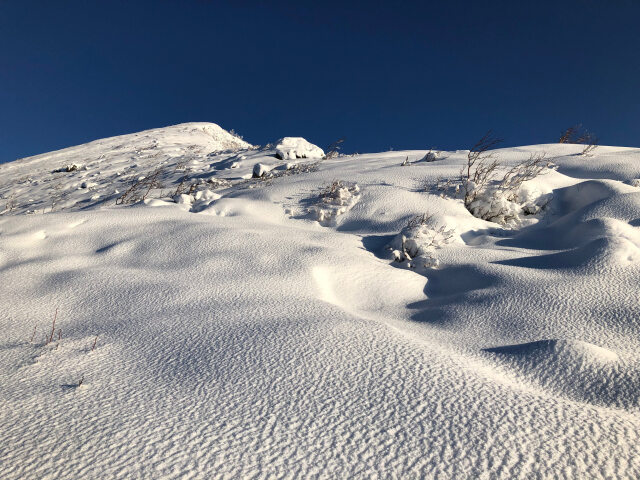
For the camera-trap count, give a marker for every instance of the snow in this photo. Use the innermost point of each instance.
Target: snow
(336, 199)
(297, 147)
(263, 327)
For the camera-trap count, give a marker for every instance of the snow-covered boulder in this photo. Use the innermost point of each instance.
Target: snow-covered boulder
(431, 156)
(260, 169)
(297, 147)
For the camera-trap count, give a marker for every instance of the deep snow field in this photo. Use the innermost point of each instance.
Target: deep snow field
(276, 327)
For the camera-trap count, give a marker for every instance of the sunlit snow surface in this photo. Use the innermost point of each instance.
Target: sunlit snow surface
(239, 337)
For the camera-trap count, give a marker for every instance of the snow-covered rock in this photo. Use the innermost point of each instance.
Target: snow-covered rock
(431, 156)
(297, 147)
(260, 169)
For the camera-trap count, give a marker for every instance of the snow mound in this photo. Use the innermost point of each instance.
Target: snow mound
(578, 370)
(577, 196)
(598, 255)
(593, 221)
(290, 148)
(563, 351)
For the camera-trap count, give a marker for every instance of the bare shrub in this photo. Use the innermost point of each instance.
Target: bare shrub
(522, 172)
(216, 183)
(569, 134)
(337, 190)
(73, 167)
(53, 328)
(268, 176)
(11, 204)
(492, 197)
(181, 167)
(181, 188)
(418, 220)
(57, 195)
(333, 150)
(578, 135)
(480, 168)
(140, 189)
(590, 145)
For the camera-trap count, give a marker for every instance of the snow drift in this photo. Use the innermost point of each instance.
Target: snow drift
(302, 322)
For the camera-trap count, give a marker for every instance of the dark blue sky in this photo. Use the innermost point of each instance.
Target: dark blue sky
(381, 74)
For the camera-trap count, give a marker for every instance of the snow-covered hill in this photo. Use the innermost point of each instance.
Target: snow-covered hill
(94, 173)
(224, 312)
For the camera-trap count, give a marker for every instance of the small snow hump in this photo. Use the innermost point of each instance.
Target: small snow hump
(290, 148)
(560, 349)
(573, 369)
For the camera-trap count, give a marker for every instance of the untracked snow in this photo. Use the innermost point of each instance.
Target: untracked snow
(326, 318)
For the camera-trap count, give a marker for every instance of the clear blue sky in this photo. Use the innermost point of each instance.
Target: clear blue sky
(382, 74)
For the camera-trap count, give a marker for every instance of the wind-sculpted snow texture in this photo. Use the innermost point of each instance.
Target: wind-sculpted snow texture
(239, 337)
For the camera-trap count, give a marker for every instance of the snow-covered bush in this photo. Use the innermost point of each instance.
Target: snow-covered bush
(333, 150)
(335, 200)
(499, 199)
(197, 201)
(10, 204)
(290, 148)
(415, 245)
(496, 205)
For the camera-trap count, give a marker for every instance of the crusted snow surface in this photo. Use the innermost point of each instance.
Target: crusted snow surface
(215, 329)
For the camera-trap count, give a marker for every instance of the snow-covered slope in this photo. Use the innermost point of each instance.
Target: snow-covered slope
(341, 318)
(95, 173)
